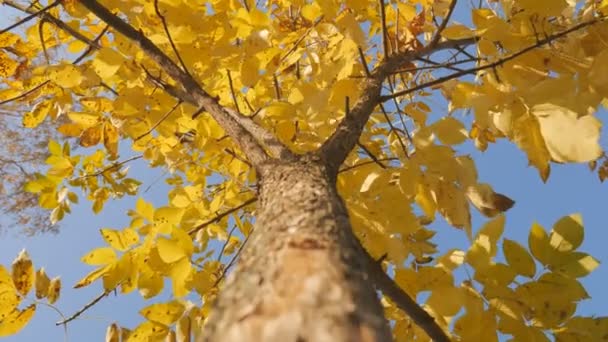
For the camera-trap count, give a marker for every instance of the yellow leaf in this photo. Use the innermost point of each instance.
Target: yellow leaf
(538, 242)
(351, 28)
(183, 328)
(450, 131)
(110, 138)
(37, 115)
(9, 299)
(42, 283)
(70, 130)
(455, 32)
(488, 202)
(168, 215)
(529, 138)
(250, 71)
(311, 11)
(112, 333)
(84, 120)
(163, 313)
(66, 76)
(23, 273)
(408, 11)
(107, 62)
(518, 258)
(181, 274)
(169, 250)
(568, 233)
(544, 7)
(92, 276)
(149, 283)
(148, 331)
(54, 290)
(100, 256)
(579, 265)
(568, 136)
(120, 240)
(446, 300)
(16, 320)
(145, 209)
(121, 272)
(8, 39)
(7, 65)
(91, 136)
(426, 200)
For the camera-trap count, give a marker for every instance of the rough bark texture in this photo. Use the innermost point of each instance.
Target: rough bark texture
(301, 276)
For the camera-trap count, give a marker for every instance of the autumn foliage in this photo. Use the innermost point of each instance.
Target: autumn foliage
(210, 91)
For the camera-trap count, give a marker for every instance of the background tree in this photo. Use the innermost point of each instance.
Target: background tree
(307, 137)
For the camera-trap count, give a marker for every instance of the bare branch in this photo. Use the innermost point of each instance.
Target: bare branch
(390, 289)
(247, 140)
(384, 30)
(85, 307)
(160, 121)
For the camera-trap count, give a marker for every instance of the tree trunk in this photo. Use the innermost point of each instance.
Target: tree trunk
(301, 276)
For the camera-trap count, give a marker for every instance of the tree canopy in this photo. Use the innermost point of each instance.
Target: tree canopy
(391, 93)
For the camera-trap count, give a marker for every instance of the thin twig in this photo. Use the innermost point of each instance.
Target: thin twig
(364, 62)
(113, 166)
(295, 45)
(160, 121)
(277, 89)
(86, 307)
(221, 254)
(42, 43)
(234, 98)
(237, 157)
(371, 155)
(222, 215)
(444, 24)
(30, 17)
(236, 255)
(166, 28)
(22, 95)
(367, 162)
(384, 112)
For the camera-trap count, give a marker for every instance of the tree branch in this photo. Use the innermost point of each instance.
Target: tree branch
(85, 307)
(32, 15)
(222, 215)
(247, 140)
(335, 149)
(269, 140)
(540, 43)
(390, 289)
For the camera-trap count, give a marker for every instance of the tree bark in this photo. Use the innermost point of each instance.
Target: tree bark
(301, 276)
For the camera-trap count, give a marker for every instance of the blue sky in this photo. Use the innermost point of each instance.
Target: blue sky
(570, 189)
